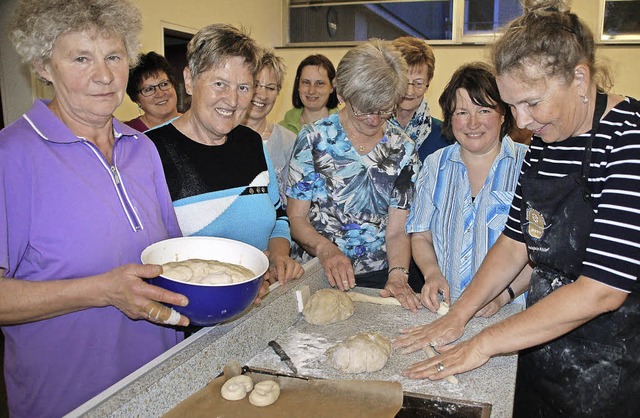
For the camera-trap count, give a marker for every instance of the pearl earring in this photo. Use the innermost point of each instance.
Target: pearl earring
(585, 99)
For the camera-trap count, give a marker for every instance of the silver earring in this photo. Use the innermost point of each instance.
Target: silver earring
(585, 99)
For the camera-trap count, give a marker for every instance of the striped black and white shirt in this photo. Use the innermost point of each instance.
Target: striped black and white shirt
(613, 251)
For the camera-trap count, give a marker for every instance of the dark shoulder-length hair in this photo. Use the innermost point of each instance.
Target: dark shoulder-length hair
(478, 80)
(317, 60)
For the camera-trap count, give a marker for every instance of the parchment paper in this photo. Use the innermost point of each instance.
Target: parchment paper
(314, 398)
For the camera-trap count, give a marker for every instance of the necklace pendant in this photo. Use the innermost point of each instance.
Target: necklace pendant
(361, 148)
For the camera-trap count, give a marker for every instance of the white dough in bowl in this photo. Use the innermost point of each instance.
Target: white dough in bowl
(327, 306)
(364, 352)
(206, 271)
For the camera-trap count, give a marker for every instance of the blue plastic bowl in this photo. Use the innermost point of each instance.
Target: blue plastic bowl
(209, 304)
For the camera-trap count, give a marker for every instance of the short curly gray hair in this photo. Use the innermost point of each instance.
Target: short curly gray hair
(37, 24)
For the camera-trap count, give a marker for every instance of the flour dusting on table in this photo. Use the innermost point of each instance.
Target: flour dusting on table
(306, 344)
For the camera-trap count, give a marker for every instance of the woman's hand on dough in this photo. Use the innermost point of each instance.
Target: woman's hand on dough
(433, 287)
(126, 290)
(458, 358)
(443, 330)
(337, 267)
(398, 287)
(283, 269)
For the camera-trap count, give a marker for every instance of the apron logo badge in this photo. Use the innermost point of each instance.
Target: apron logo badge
(536, 223)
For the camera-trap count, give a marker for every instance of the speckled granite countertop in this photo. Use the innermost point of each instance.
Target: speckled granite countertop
(166, 381)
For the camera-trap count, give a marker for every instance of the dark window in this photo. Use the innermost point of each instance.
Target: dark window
(345, 22)
(175, 51)
(619, 17)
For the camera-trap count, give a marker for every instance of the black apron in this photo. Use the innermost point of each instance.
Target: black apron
(594, 370)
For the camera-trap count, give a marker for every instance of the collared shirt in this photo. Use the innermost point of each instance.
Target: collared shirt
(291, 119)
(350, 194)
(66, 212)
(463, 229)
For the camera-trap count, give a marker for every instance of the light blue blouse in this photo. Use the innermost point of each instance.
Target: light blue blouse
(463, 229)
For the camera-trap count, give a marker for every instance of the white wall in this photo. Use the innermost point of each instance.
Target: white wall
(15, 79)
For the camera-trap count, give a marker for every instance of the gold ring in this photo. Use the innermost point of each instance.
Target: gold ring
(439, 367)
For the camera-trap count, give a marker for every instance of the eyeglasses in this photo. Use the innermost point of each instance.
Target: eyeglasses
(384, 114)
(270, 88)
(419, 84)
(147, 91)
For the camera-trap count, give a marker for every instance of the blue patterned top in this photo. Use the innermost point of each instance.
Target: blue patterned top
(463, 229)
(419, 127)
(425, 131)
(350, 193)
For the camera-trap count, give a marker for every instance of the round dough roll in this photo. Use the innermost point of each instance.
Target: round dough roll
(264, 393)
(364, 352)
(327, 306)
(236, 388)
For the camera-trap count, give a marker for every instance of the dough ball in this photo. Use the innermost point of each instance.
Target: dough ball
(265, 393)
(443, 308)
(236, 388)
(327, 306)
(363, 352)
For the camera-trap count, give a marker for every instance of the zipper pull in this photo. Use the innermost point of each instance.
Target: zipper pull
(114, 171)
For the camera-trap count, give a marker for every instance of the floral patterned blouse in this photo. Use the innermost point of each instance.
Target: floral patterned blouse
(419, 127)
(350, 193)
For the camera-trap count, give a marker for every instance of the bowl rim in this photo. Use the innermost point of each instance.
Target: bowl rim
(201, 238)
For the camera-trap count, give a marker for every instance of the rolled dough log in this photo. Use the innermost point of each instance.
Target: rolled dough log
(431, 352)
(359, 297)
(327, 306)
(236, 388)
(265, 393)
(363, 352)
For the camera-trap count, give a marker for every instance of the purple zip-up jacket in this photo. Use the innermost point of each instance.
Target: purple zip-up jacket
(65, 212)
